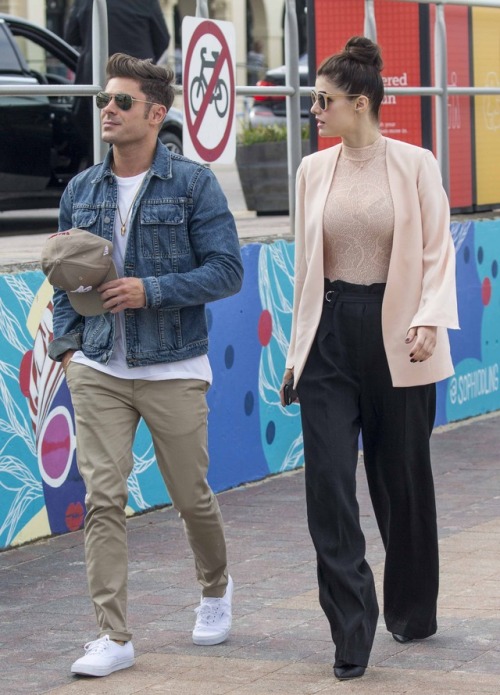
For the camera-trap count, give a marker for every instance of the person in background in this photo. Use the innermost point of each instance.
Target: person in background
(374, 296)
(136, 346)
(135, 27)
(255, 63)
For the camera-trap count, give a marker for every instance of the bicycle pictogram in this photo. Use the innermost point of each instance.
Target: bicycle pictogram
(209, 94)
(199, 85)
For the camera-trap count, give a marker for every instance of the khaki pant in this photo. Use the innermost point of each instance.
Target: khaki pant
(107, 412)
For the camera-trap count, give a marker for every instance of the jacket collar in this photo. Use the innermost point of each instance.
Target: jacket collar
(161, 166)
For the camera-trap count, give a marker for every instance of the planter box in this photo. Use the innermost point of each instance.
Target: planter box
(264, 175)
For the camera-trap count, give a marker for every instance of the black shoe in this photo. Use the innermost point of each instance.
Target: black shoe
(401, 638)
(348, 671)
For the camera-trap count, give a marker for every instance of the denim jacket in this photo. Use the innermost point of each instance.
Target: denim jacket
(182, 243)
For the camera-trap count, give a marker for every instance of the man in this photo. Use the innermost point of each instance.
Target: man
(143, 352)
(135, 27)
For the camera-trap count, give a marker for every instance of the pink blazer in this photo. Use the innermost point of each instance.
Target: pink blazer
(420, 287)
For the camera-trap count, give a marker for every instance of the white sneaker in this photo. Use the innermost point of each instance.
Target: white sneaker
(214, 618)
(103, 656)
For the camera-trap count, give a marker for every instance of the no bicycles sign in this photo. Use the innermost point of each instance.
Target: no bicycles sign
(209, 132)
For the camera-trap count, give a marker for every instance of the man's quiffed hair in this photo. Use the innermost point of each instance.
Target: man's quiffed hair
(156, 81)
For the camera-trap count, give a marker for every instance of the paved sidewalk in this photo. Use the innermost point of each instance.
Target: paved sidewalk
(24, 232)
(20, 250)
(280, 641)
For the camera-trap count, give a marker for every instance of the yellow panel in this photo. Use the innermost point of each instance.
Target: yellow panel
(486, 64)
(42, 299)
(37, 527)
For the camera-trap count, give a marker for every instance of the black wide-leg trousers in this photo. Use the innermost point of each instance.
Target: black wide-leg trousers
(346, 388)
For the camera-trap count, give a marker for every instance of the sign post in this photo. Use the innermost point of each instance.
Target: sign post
(209, 131)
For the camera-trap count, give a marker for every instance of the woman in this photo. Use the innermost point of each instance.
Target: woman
(374, 296)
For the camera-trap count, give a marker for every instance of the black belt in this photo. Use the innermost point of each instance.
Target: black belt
(349, 292)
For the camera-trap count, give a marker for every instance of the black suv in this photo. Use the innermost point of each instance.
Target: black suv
(268, 110)
(41, 148)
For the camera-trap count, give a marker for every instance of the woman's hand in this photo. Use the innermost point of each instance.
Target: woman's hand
(286, 377)
(424, 342)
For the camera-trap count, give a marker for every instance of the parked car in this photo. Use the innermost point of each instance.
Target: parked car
(269, 110)
(41, 148)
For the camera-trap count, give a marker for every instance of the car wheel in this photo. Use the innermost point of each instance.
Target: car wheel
(172, 141)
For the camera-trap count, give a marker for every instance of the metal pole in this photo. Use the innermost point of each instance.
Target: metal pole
(202, 9)
(294, 136)
(370, 28)
(467, 3)
(99, 60)
(441, 69)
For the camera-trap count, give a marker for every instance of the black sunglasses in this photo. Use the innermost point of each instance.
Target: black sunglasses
(123, 101)
(323, 98)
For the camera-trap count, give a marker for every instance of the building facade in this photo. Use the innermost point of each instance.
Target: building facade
(259, 25)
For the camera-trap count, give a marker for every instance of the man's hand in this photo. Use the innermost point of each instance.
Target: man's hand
(124, 293)
(66, 359)
(424, 342)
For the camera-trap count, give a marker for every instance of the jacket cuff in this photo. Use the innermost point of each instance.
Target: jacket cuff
(153, 292)
(59, 346)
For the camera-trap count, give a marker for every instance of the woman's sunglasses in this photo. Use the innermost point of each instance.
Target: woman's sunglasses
(123, 101)
(322, 98)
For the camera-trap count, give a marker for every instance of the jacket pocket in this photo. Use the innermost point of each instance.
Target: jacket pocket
(163, 230)
(85, 217)
(97, 331)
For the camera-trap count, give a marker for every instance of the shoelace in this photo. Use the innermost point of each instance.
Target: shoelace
(210, 611)
(97, 646)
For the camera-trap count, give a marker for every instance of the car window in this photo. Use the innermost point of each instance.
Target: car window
(42, 62)
(33, 54)
(8, 58)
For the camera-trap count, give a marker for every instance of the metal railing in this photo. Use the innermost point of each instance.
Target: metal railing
(440, 91)
(292, 90)
(99, 59)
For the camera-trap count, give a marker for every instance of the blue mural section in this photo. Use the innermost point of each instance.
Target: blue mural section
(236, 452)
(281, 432)
(476, 349)
(250, 434)
(21, 487)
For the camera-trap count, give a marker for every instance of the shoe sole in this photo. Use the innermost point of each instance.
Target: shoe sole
(401, 639)
(90, 671)
(349, 678)
(210, 641)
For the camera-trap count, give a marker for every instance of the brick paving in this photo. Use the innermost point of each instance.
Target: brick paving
(280, 640)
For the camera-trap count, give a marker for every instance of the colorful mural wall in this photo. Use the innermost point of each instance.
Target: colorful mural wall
(251, 435)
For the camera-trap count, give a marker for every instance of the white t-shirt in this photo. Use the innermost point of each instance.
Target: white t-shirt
(193, 368)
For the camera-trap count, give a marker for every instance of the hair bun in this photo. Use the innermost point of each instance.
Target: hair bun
(363, 50)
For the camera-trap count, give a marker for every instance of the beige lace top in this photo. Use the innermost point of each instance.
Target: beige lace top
(358, 220)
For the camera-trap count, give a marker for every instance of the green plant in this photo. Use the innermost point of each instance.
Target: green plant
(250, 135)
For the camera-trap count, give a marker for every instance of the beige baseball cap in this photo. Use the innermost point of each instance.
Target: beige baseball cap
(79, 262)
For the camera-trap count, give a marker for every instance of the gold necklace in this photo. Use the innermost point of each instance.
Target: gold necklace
(123, 222)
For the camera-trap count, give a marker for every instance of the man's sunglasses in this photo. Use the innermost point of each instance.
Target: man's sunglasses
(123, 101)
(322, 98)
